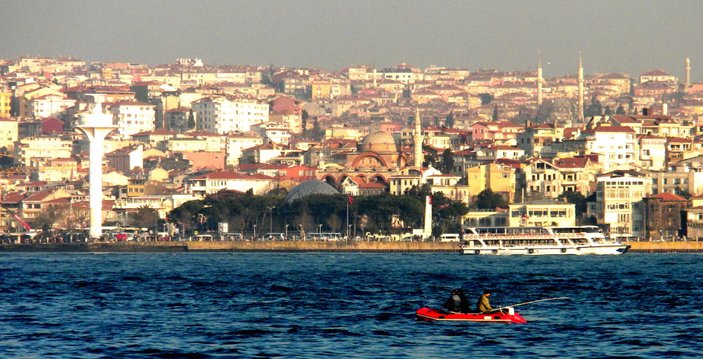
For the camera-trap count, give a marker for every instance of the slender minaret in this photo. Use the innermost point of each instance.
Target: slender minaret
(417, 139)
(539, 78)
(580, 99)
(375, 84)
(688, 73)
(95, 125)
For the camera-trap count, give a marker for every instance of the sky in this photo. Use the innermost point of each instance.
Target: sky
(614, 36)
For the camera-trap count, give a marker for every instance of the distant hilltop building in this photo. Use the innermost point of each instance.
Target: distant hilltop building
(191, 62)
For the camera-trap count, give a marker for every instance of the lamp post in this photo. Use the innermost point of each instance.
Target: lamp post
(319, 231)
(286, 230)
(271, 220)
(254, 236)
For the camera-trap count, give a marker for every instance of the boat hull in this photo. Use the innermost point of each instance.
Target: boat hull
(434, 315)
(605, 249)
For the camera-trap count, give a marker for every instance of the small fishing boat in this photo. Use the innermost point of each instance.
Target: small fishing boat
(504, 315)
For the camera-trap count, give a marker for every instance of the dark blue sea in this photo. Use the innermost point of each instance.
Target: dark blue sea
(313, 305)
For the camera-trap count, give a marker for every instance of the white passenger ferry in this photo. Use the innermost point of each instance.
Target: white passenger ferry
(538, 241)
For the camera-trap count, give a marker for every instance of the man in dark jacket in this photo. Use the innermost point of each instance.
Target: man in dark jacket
(484, 304)
(453, 303)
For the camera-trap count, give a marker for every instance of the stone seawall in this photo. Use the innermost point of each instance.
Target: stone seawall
(307, 246)
(666, 247)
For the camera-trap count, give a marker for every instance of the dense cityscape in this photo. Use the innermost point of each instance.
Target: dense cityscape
(247, 150)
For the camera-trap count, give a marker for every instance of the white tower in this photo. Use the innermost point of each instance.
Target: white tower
(95, 125)
(539, 79)
(417, 140)
(427, 227)
(580, 99)
(688, 73)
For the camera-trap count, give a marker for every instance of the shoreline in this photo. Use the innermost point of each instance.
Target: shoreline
(297, 246)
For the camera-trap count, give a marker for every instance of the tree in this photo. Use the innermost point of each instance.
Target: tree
(145, 217)
(304, 121)
(594, 108)
(449, 120)
(487, 199)
(447, 165)
(576, 198)
(620, 110)
(486, 98)
(495, 113)
(191, 121)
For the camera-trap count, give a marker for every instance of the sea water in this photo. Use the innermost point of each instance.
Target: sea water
(201, 305)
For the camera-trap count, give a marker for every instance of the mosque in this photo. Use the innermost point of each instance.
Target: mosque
(377, 157)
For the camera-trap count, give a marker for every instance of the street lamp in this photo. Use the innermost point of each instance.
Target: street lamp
(286, 230)
(254, 236)
(271, 220)
(319, 231)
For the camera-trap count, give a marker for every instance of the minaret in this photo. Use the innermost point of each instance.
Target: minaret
(580, 99)
(688, 73)
(95, 126)
(375, 84)
(417, 139)
(539, 79)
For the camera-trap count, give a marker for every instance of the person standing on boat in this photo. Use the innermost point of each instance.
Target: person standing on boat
(484, 304)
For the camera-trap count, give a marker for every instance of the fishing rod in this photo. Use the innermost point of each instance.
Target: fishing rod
(533, 301)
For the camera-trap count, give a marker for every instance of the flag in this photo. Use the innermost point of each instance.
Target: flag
(350, 199)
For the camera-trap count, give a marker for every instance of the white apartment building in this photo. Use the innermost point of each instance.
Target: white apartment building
(236, 144)
(228, 114)
(213, 182)
(653, 152)
(32, 150)
(133, 117)
(619, 203)
(9, 133)
(49, 106)
(617, 144)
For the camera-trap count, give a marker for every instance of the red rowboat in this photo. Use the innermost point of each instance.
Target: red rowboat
(505, 315)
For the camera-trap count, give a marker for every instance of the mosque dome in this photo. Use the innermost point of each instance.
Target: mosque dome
(380, 142)
(307, 188)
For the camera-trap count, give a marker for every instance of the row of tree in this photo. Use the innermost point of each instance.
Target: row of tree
(327, 213)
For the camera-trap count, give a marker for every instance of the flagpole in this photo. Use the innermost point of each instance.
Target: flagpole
(347, 218)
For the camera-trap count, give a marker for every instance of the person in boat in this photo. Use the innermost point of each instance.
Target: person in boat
(457, 302)
(484, 303)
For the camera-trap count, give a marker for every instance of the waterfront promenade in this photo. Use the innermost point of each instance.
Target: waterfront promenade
(298, 246)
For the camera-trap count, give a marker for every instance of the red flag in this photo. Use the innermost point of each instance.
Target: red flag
(350, 199)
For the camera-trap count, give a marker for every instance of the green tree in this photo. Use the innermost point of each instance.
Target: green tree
(486, 98)
(495, 113)
(304, 121)
(145, 217)
(487, 199)
(447, 165)
(449, 120)
(191, 120)
(620, 110)
(594, 108)
(576, 198)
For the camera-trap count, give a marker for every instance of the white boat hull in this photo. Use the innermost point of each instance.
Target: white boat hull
(598, 249)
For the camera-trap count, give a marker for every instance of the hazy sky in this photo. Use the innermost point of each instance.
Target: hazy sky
(622, 36)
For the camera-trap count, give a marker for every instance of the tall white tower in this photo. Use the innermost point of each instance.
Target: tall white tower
(688, 73)
(539, 79)
(95, 125)
(417, 140)
(580, 99)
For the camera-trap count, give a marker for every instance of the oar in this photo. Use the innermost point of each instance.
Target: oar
(533, 301)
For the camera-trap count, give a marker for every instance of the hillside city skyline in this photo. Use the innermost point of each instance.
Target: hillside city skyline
(495, 147)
